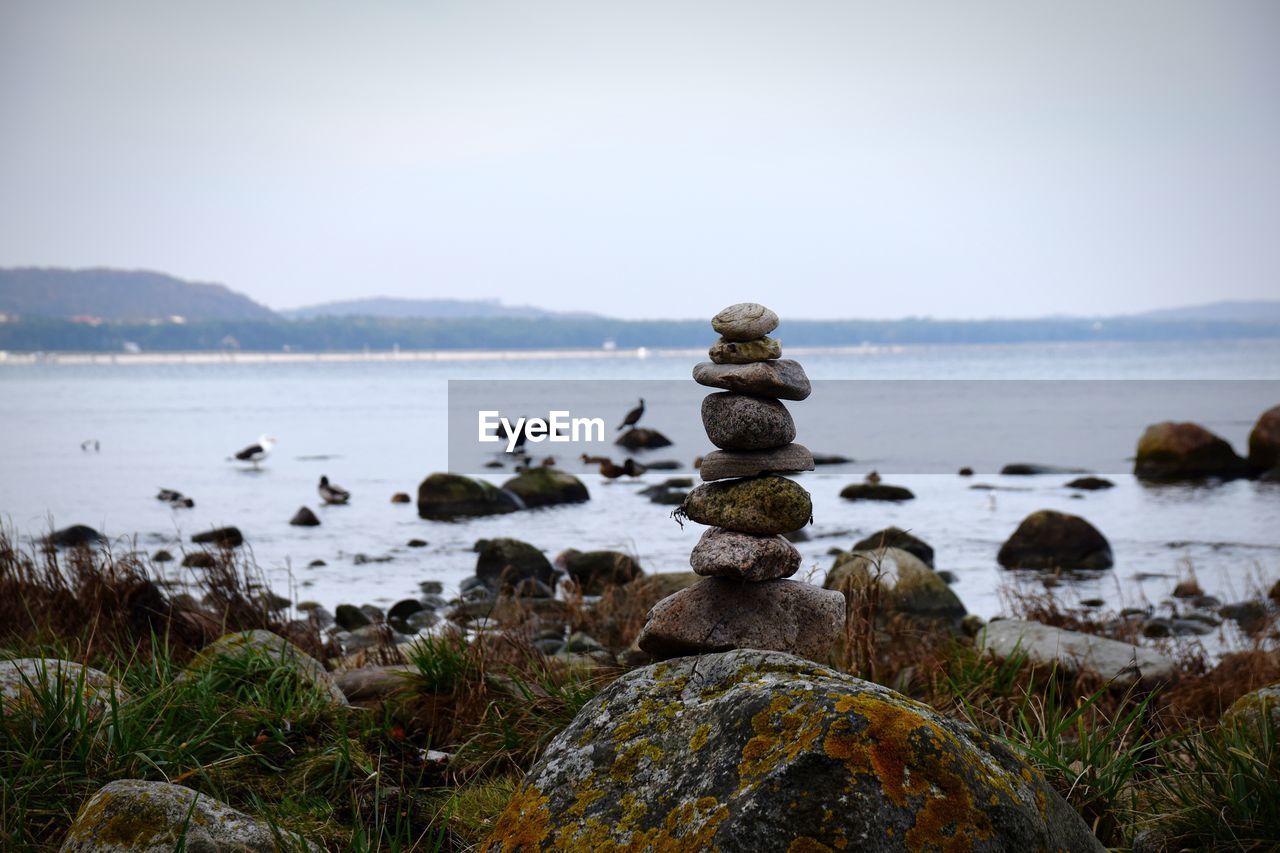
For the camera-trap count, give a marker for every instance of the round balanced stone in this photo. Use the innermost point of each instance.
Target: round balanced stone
(741, 556)
(717, 615)
(744, 322)
(738, 422)
(782, 378)
(723, 464)
(745, 352)
(762, 505)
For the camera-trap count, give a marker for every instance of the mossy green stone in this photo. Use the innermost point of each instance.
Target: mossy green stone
(745, 352)
(760, 505)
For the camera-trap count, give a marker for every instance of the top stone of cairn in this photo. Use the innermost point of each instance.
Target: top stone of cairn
(745, 321)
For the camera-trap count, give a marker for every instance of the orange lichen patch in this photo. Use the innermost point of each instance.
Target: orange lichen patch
(650, 717)
(583, 801)
(807, 845)
(627, 762)
(690, 825)
(783, 730)
(523, 824)
(700, 735)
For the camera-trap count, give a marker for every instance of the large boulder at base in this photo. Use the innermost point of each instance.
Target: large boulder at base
(750, 750)
(907, 584)
(642, 438)
(447, 496)
(1072, 651)
(896, 537)
(133, 816)
(546, 487)
(74, 536)
(1264, 441)
(760, 505)
(1185, 451)
(876, 492)
(223, 537)
(504, 562)
(1055, 540)
(596, 571)
(1254, 710)
(276, 648)
(20, 677)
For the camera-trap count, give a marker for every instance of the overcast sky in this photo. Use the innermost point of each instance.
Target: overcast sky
(654, 159)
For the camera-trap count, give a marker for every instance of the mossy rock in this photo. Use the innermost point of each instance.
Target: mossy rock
(1185, 451)
(907, 584)
(748, 750)
(1055, 540)
(596, 571)
(896, 537)
(762, 505)
(275, 648)
(504, 563)
(446, 496)
(546, 487)
(1264, 441)
(24, 680)
(134, 816)
(1254, 710)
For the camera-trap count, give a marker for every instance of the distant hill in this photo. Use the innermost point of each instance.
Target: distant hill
(427, 309)
(1260, 311)
(120, 295)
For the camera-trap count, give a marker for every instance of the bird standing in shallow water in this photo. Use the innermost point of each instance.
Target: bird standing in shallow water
(633, 416)
(331, 494)
(255, 453)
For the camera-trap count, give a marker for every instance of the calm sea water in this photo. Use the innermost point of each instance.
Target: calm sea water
(378, 427)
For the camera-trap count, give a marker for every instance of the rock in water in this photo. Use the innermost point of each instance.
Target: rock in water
(761, 505)
(74, 536)
(223, 537)
(133, 816)
(745, 352)
(744, 321)
(1055, 540)
(1090, 484)
(781, 379)
(1072, 651)
(741, 556)
(1186, 451)
(896, 537)
(597, 571)
(447, 496)
(749, 750)
(875, 492)
(504, 562)
(1264, 441)
(907, 585)
(738, 422)
(716, 615)
(642, 438)
(727, 464)
(304, 517)
(546, 487)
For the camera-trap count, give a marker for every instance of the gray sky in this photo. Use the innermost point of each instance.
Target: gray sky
(654, 159)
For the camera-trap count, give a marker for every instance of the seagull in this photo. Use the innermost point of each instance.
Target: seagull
(633, 416)
(255, 453)
(332, 494)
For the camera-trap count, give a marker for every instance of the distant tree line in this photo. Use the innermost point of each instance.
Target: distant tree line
(337, 334)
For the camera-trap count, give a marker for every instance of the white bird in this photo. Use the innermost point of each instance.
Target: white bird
(255, 453)
(332, 494)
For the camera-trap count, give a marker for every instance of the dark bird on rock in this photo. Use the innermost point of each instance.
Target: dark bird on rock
(873, 478)
(633, 416)
(331, 494)
(255, 453)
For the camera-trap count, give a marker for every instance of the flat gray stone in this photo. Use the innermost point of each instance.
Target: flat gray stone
(738, 422)
(782, 378)
(1072, 651)
(717, 615)
(744, 556)
(725, 464)
(745, 352)
(744, 321)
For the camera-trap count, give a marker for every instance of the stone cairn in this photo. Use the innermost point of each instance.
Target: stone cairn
(745, 600)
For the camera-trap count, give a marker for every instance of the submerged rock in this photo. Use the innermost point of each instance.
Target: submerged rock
(1072, 651)
(738, 422)
(1264, 441)
(304, 517)
(134, 816)
(1031, 469)
(1055, 540)
(1185, 451)
(907, 584)
(875, 492)
(744, 321)
(896, 537)
(782, 379)
(546, 487)
(749, 750)
(761, 505)
(447, 496)
(1090, 484)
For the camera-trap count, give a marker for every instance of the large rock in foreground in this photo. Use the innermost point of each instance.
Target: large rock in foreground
(446, 496)
(1072, 651)
(546, 487)
(1255, 711)
(133, 816)
(1185, 451)
(1055, 540)
(748, 751)
(907, 584)
(717, 615)
(760, 505)
(1264, 441)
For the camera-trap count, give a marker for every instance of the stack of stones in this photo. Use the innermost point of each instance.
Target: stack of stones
(745, 601)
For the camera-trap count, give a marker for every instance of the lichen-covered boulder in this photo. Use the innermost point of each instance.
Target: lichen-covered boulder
(596, 571)
(750, 750)
(545, 486)
(133, 816)
(907, 585)
(896, 537)
(446, 496)
(761, 505)
(1264, 441)
(1048, 539)
(505, 563)
(1254, 710)
(276, 649)
(21, 678)
(1185, 451)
